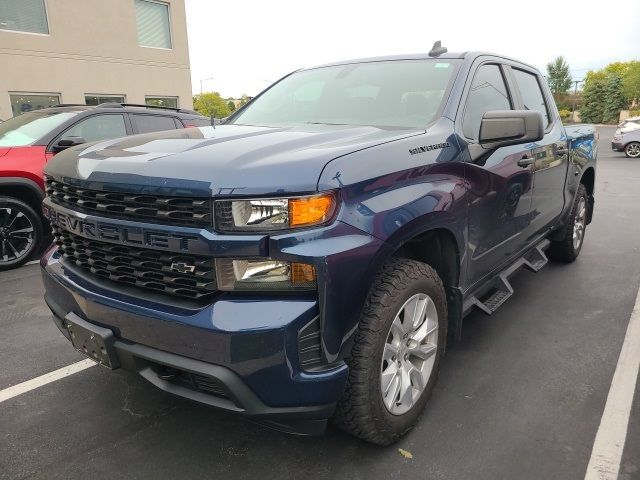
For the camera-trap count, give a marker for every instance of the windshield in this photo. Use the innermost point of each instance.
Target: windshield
(29, 127)
(397, 93)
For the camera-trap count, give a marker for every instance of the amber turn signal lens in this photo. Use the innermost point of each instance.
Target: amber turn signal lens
(302, 273)
(311, 210)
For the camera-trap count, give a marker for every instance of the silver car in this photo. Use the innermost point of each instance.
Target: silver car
(627, 138)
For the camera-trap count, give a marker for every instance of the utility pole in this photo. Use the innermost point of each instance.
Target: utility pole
(575, 94)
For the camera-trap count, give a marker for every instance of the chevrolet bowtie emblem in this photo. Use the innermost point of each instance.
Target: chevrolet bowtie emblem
(182, 267)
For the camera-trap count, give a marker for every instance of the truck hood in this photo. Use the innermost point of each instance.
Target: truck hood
(226, 160)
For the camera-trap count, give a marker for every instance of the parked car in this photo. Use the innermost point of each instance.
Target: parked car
(631, 123)
(309, 258)
(29, 140)
(627, 138)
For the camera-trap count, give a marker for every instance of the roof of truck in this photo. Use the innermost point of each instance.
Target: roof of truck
(422, 56)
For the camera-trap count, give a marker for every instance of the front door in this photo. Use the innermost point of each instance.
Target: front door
(499, 182)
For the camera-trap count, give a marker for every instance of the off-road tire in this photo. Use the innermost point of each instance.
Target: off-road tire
(38, 233)
(564, 250)
(361, 411)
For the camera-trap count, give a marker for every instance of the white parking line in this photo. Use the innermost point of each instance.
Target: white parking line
(34, 383)
(612, 432)
(32, 262)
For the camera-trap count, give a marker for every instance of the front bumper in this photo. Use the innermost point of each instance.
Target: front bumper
(246, 346)
(617, 147)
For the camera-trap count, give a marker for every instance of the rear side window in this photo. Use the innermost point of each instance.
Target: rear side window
(531, 92)
(98, 127)
(196, 122)
(153, 123)
(488, 92)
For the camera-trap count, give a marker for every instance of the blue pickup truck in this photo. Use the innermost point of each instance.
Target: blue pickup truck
(310, 258)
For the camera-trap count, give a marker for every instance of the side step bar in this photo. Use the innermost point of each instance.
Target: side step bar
(533, 260)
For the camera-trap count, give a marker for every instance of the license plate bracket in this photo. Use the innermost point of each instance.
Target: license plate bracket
(91, 340)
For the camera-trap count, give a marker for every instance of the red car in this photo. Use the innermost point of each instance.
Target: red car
(29, 140)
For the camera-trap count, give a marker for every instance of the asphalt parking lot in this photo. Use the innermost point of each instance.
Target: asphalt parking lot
(521, 397)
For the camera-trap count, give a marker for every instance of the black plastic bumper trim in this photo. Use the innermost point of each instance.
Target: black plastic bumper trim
(306, 420)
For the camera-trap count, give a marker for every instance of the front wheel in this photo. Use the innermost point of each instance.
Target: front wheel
(632, 150)
(395, 359)
(21, 232)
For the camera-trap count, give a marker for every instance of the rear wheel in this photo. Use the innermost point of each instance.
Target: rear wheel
(568, 249)
(21, 232)
(395, 359)
(632, 150)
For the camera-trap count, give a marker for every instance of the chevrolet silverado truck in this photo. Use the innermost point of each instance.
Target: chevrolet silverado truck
(310, 258)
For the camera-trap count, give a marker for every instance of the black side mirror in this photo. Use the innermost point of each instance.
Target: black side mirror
(65, 143)
(500, 128)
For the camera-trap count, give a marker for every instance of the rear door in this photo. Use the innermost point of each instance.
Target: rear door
(153, 123)
(551, 155)
(499, 189)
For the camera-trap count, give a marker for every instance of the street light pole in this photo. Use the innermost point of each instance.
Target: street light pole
(204, 80)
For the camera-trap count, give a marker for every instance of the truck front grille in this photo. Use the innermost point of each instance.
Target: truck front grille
(175, 210)
(139, 267)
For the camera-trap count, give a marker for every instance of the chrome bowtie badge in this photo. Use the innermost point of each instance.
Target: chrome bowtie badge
(182, 267)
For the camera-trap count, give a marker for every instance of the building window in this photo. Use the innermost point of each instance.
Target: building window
(24, 16)
(98, 99)
(171, 102)
(152, 19)
(27, 102)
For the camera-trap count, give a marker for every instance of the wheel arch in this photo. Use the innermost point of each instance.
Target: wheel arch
(436, 247)
(588, 179)
(23, 189)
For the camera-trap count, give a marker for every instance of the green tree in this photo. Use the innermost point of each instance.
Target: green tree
(244, 99)
(211, 103)
(614, 99)
(558, 76)
(592, 109)
(631, 82)
(231, 105)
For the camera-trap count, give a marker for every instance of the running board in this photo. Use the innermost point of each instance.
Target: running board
(533, 260)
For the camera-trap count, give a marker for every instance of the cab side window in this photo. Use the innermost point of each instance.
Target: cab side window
(98, 127)
(488, 92)
(531, 92)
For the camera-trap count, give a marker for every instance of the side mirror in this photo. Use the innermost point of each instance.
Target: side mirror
(500, 128)
(65, 143)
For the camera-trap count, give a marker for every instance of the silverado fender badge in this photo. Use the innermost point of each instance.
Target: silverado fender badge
(427, 148)
(182, 267)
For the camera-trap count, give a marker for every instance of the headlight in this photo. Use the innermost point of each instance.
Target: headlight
(264, 274)
(268, 214)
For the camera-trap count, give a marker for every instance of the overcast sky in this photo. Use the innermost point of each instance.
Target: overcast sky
(244, 45)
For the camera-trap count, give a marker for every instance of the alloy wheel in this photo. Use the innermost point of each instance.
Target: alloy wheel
(16, 234)
(633, 150)
(409, 354)
(580, 223)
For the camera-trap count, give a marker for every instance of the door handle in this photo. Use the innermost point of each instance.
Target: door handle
(562, 151)
(525, 161)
